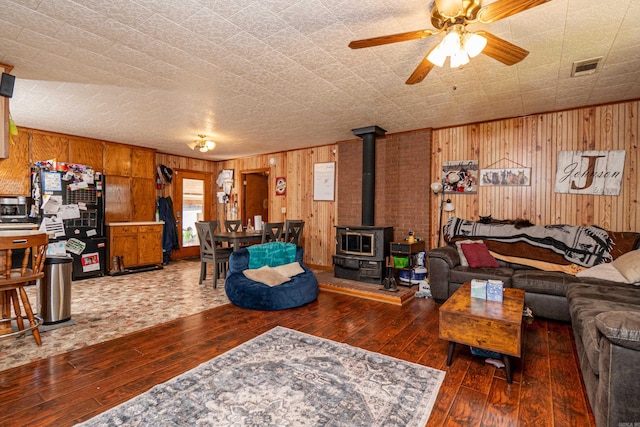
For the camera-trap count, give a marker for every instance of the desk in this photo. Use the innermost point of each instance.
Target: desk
(237, 237)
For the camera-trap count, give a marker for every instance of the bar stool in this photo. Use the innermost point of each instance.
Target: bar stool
(32, 246)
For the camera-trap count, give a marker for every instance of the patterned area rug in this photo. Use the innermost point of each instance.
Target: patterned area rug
(105, 308)
(287, 378)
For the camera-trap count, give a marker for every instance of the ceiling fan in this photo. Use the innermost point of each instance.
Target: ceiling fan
(452, 17)
(203, 145)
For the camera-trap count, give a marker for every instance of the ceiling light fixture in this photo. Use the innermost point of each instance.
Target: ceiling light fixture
(459, 44)
(203, 145)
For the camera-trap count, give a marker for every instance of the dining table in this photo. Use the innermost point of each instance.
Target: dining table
(237, 238)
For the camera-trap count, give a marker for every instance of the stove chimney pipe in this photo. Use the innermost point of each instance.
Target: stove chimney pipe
(368, 135)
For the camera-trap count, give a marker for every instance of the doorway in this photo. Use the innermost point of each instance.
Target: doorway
(255, 195)
(192, 204)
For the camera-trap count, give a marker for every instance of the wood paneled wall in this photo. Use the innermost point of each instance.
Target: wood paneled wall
(534, 142)
(129, 171)
(297, 167)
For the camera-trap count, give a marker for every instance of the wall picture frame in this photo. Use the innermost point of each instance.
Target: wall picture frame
(465, 175)
(324, 179)
(505, 177)
(590, 172)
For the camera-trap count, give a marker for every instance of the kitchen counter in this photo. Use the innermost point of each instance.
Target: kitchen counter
(5, 226)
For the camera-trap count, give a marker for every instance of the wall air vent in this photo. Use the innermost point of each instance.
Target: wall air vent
(586, 67)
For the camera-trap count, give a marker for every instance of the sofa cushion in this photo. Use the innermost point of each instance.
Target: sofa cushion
(629, 265)
(621, 328)
(465, 274)
(588, 301)
(542, 282)
(478, 255)
(604, 271)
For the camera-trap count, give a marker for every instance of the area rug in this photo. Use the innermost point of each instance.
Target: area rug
(105, 308)
(287, 378)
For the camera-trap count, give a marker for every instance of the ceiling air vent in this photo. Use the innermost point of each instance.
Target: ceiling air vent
(586, 67)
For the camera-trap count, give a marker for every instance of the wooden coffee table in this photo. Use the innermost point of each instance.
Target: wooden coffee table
(488, 325)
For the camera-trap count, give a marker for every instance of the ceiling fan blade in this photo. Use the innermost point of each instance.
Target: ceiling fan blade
(394, 38)
(421, 70)
(504, 8)
(503, 51)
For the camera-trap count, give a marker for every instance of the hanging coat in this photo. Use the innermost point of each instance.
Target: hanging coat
(170, 239)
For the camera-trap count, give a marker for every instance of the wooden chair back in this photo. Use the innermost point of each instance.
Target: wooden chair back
(233, 225)
(32, 249)
(34, 252)
(293, 231)
(211, 250)
(205, 230)
(272, 231)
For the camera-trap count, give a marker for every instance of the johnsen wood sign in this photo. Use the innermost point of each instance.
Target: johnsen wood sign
(590, 172)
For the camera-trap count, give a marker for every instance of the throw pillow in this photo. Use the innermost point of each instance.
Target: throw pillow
(478, 255)
(604, 271)
(289, 270)
(463, 259)
(629, 265)
(266, 275)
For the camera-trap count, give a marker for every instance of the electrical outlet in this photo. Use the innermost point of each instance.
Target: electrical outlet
(283, 210)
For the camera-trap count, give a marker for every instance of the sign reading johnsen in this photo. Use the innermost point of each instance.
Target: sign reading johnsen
(590, 172)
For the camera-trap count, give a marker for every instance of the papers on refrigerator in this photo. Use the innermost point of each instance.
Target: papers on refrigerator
(75, 246)
(69, 212)
(51, 204)
(52, 225)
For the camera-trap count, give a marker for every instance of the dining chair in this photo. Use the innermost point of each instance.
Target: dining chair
(211, 251)
(233, 225)
(32, 248)
(293, 231)
(272, 231)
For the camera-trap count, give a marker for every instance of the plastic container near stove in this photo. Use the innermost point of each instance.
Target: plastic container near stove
(414, 275)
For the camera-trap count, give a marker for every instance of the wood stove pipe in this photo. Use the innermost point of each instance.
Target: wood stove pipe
(368, 135)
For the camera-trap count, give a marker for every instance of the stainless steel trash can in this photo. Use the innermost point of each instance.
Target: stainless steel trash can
(54, 293)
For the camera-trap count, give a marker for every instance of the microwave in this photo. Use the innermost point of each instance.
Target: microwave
(14, 208)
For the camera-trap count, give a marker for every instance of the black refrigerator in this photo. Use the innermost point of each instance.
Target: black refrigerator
(68, 200)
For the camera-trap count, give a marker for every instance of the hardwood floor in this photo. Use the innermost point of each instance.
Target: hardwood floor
(72, 387)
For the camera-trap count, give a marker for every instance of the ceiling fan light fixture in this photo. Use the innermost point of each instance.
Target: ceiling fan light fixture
(437, 56)
(204, 145)
(473, 44)
(451, 42)
(459, 59)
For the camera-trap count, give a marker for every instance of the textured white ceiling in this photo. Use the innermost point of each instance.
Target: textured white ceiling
(261, 76)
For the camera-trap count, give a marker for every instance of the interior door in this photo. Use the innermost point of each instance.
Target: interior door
(255, 195)
(192, 202)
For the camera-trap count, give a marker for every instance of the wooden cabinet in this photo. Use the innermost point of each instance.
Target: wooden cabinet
(138, 243)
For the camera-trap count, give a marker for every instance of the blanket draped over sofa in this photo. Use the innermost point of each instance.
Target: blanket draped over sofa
(584, 246)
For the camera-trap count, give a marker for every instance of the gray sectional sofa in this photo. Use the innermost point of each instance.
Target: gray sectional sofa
(605, 314)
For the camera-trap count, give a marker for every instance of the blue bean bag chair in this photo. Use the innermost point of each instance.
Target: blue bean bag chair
(246, 293)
